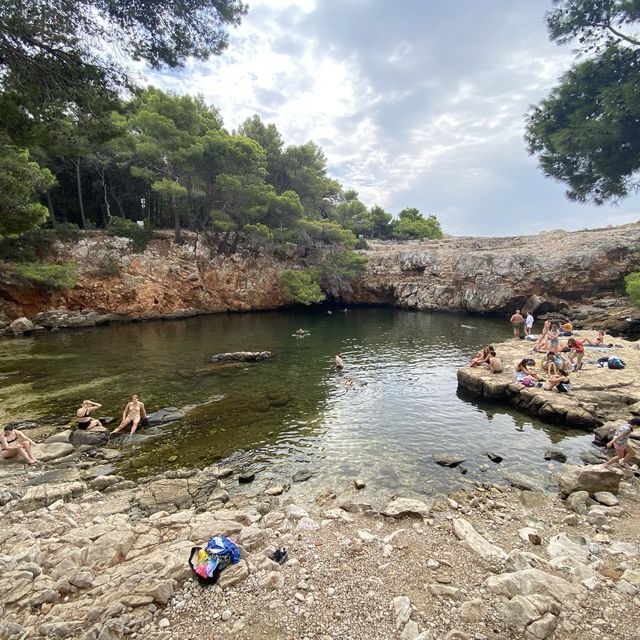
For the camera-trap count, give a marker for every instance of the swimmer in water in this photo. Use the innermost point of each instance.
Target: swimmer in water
(339, 362)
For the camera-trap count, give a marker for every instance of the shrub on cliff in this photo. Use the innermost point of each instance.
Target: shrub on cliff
(123, 228)
(632, 285)
(54, 276)
(302, 286)
(339, 270)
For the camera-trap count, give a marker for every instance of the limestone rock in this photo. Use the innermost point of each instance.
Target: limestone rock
(233, 573)
(44, 495)
(590, 479)
(605, 498)
(97, 437)
(21, 325)
(520, 481)
(578, 502)
(448, 459)
(472, 610)
(568, 545)
(464, 531)
(47, 452)
(534, 581)
(406, 507)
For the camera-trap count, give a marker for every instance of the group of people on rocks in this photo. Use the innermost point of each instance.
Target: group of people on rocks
(16, 444)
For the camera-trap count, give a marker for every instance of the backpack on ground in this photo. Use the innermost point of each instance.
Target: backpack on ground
(615, 363)
(207, 563)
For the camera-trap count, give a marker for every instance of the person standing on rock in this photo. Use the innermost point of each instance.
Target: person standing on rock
(14, 444)
(620, 443)
(133, 413)
(528, 324)
(84, 420)
(517, 322)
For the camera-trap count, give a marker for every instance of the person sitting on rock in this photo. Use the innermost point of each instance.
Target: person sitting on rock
(559, 382)
(495, 364)
(133, 413)
(550, 363)
(541, 345)
(620, 443)
(15, 444)
(523, 375)
(84, 420)
(482, 357)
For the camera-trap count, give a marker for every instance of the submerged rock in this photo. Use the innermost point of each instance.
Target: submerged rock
(448, 459)
(241, 356)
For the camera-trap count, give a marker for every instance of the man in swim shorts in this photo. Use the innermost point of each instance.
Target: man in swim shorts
(517, 322)
(133, 413)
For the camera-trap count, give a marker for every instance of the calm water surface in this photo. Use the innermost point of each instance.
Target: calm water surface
(293, 411)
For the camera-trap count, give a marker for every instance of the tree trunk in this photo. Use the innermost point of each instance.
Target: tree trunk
(52, 213)
(176, 221)
(83, 219)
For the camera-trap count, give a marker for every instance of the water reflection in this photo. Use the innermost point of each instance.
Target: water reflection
(293, 410)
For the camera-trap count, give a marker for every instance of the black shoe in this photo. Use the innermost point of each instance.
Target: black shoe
(280, 556)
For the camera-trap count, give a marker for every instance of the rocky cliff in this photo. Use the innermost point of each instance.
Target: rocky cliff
(549, 271)
(497, 275)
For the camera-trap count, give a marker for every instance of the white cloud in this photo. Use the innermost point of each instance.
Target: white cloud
(414, 115)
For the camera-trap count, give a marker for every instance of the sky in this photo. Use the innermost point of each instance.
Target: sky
(416, 103)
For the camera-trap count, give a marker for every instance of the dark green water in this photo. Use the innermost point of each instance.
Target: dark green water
(293, 411)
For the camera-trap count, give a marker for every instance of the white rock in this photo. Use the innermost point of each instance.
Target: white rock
(464, 531)
(402, 607)
(294, 512)
(164, 623)
(226, 615)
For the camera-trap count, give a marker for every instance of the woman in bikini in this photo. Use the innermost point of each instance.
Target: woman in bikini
(84, 420)
(598, 342)
(14, 444)
(133, 413)
(543, 339)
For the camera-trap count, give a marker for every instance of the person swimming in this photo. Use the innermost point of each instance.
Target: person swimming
(339, 361)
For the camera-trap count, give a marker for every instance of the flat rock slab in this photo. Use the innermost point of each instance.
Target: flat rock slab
(406, 507)
(63, 437)
(520, 481)
(164, 416)
(97, 437)
(447, 459)
(241, 356)
(44, 495)
(56, 476)
(47, 452)
(100, 470)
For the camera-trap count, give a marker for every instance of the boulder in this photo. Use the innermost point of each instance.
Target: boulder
(241, 356)
(233, 573)
(578, 502)
(591, 479)
(406, 507)
(605, 498)
(44, 495)
(62, 436)
(47, 452)
(471, 538)
(164, 416)
(21, 325)
(574, 546)
(535, 581)
(97, 437)
(555, 454)
(447, 459)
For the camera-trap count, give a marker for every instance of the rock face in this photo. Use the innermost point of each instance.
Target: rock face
(498, 274)
(487, 275)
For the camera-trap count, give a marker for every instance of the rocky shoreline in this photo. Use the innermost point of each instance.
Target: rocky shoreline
(91, 555)
(598, 395)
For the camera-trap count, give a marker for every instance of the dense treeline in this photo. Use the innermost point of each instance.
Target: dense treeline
(82, 147)
(167, 159)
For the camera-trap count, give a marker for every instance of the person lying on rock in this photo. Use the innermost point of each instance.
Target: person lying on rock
(133, 413)
(14, 444)
(620, 443)
(598, 342)
(84, 420)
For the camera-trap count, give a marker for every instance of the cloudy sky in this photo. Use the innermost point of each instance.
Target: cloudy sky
(416, 103)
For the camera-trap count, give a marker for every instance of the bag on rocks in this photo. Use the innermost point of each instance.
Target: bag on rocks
(615, 363)
(219, 553)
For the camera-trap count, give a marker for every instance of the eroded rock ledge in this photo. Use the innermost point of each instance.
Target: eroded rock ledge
(598, 395)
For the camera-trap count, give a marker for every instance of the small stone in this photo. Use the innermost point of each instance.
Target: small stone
(433, 564)
(164, 623)
(226, 615)
(302, 475)
(246, 477)
(359, 483)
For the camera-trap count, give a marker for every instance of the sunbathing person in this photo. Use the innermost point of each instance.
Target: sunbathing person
(132, 414)
(597, 342)
(83, 417)
(15, 444)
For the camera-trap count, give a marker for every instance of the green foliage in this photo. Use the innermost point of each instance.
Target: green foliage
(54, 276)
(57, 55)
(410, 224)
(21, 183)
(326, 232)
(585, 133)
(302, 286)
(632, 286)
(259, 235)
(339, 270)
(123, 228)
